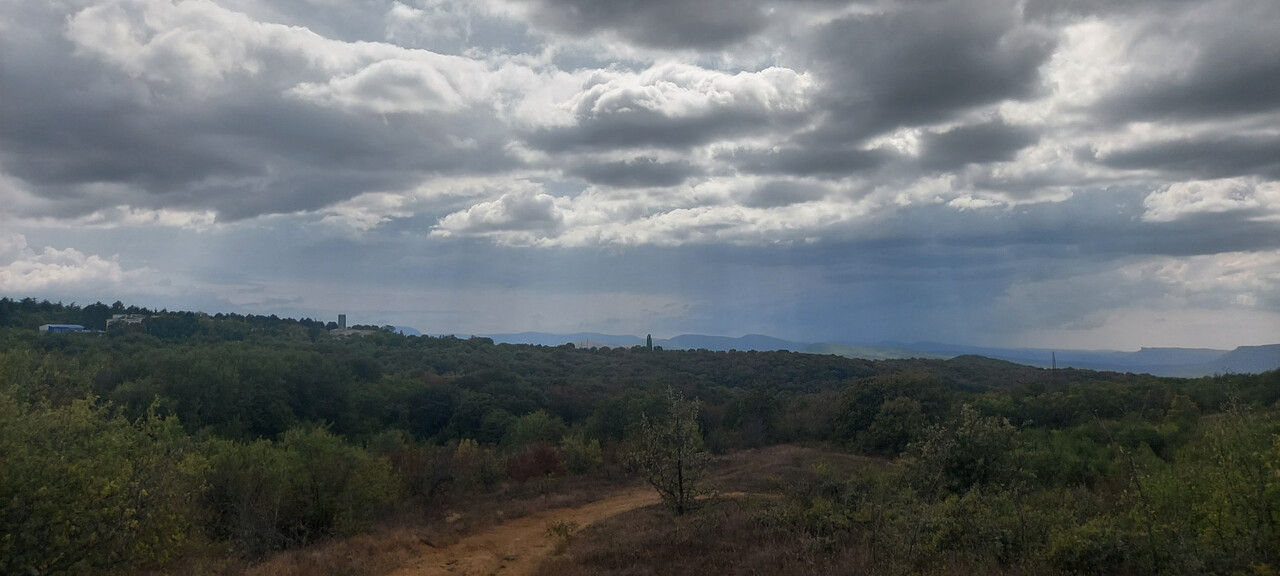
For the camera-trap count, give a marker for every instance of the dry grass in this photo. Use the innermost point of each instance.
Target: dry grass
(773, 468)
(364, 555)
(736, 537)
(730, 537)
(752, 534)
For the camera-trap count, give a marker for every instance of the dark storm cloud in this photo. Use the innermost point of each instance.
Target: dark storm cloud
(926, 255)
(645, 172)
(783, 193)
(1074, 9)
(923, 63)
(1199, 234)
(658, 23)
(69, 124)
(1100, 225)
(1235, 70)
(1206, 158)
(980, 143)
(66, 121)
(1223, 56)
(828, 162)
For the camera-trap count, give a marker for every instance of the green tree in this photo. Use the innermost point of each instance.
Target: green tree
(535, 427)
(972, 451)
(898, 423)
(670, 452)
(1183, 413)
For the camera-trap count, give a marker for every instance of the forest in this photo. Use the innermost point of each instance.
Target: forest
(147, 448)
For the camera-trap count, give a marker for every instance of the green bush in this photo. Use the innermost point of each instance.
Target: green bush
(984, 526)
(84, 492)
(1095, 547)
(1216, 508)
(249, 494)
(340, 487)
(971, 451)
(264, 495)
(424, 471)
(581, 456)
(476, 467)
(898, 423)
(1060, 458)
(535, 427)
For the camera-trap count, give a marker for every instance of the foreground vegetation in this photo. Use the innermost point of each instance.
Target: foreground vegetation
(192, 437)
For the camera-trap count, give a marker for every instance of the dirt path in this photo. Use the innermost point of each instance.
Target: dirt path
(517, 546)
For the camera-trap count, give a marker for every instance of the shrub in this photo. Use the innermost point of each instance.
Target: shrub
(340, 487)
(264, 496)
(971, 451)
(249, 494)
(1059, 458)
(535, 460)
(475, 467)
(898, 423)
(561, 533)
(984, 526)
(824, 521)
(535, 427)
(1095, 547)
(85, 492)
(581, 456)
(424, 471)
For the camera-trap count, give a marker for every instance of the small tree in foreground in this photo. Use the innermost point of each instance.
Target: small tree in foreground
(670, 453)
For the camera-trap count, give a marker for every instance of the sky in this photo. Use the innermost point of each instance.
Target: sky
(1075, 174)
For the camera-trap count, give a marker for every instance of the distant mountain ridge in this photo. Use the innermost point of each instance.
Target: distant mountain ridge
(579, 339)
(1179, 362)
(1250, 359)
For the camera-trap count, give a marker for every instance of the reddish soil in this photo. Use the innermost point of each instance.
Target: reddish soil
(518, 546)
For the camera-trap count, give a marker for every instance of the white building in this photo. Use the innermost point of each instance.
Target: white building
(125, 319)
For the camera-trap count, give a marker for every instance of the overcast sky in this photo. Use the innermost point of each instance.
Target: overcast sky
(1072, 174)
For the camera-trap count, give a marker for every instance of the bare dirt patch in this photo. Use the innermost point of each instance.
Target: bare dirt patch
(518, 546)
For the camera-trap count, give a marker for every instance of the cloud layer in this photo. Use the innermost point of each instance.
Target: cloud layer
(847, 144)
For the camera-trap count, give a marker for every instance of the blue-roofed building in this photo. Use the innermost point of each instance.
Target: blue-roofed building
(56, 328)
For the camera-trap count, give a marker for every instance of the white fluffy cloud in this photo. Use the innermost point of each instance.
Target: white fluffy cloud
(26, 270)
(391, 87)
(1182, 199)
(681, 90)
(521, 217)
(1248, 280)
